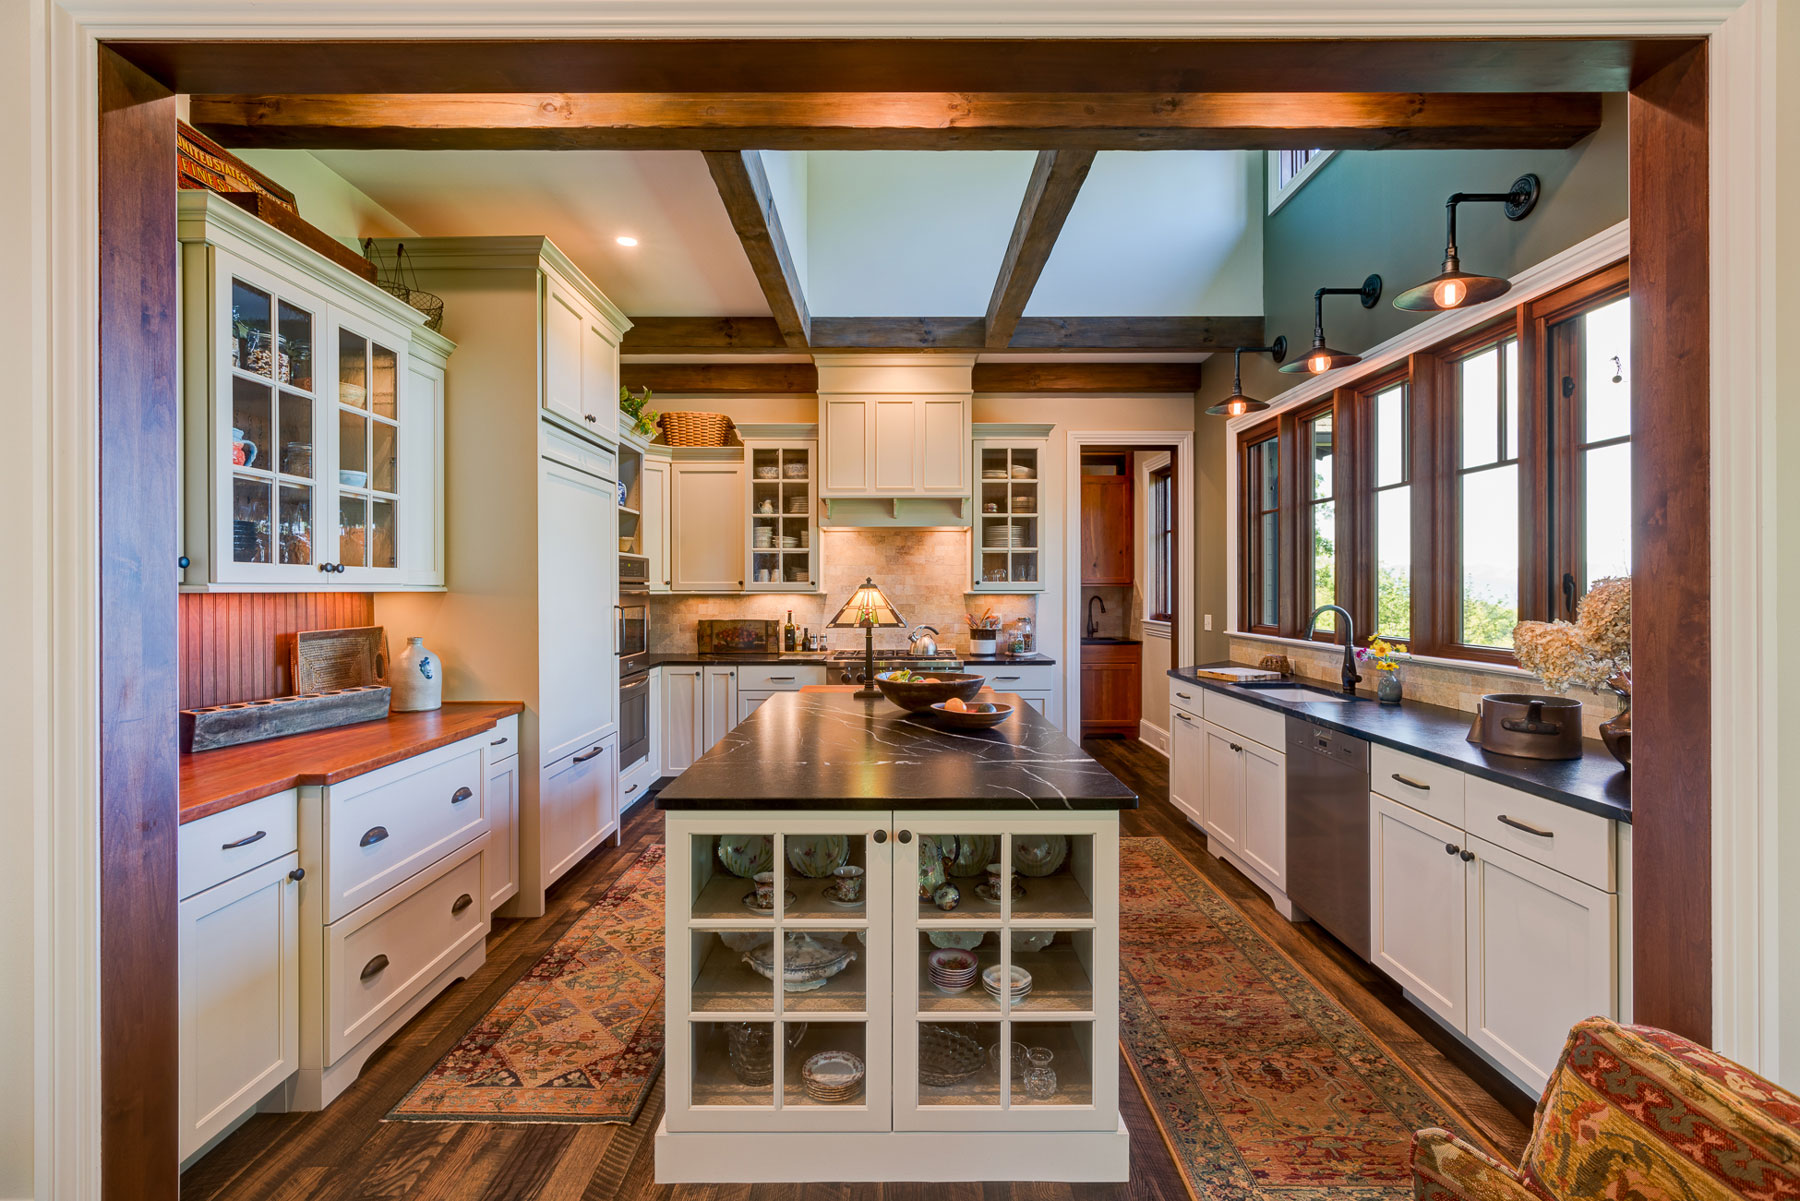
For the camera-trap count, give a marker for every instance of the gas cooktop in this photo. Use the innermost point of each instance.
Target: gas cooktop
(851, 663)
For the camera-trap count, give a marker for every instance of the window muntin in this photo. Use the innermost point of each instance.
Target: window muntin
(1487, 409)
(1393, 512)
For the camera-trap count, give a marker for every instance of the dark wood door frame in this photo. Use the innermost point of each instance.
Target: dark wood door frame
(137, 419)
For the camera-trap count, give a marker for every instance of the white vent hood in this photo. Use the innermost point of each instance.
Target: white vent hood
(894, 439)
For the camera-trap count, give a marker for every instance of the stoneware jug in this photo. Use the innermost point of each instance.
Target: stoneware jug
(417, 678)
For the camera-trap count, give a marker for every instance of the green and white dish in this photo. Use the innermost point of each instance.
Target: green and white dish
(1039, 854)
(746, 854)
(816, 855)
(962, 940)
(967, 854)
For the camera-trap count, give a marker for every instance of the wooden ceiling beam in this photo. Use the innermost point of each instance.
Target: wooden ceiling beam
(663, 336)
(900, 120)
(1056, 180)
(744, 187)
(748, 379)
(710, 378)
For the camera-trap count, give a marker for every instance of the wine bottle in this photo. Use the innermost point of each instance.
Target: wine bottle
(787, 632)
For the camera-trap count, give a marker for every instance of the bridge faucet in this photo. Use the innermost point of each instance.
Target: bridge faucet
(1351, 676)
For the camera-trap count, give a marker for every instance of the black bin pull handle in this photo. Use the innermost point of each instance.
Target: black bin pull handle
(498, 741)
(461, 903)
(461, 794)
(374, 967)
(583, 758)
(373, 835)
(245, 841)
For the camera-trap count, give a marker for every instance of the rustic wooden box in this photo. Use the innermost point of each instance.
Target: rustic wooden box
(218, 726)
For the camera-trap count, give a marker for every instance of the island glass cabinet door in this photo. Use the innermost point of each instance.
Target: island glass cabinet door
(738, 1044)
(1033, 897)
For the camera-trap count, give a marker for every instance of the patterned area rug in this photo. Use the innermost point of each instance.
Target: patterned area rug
(580, 1038)
(1265, 1087)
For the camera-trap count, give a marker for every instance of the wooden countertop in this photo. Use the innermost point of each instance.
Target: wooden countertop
(214, 781)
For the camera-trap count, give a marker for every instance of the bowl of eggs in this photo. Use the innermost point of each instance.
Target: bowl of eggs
(914, 690)
(971, 715)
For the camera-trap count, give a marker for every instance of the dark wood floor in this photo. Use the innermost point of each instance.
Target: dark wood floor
(348, 1153)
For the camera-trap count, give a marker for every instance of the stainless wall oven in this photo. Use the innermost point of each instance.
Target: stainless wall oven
(634, 719)
(633, 635)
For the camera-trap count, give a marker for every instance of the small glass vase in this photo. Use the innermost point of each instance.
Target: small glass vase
(1039, 1077)
(1387, 687)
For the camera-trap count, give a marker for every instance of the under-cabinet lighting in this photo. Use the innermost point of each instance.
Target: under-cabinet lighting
(1454, 287)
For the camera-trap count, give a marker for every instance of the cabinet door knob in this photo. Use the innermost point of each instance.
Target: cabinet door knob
(374, 835)
(297, 875)
(589, 417)
(1467, 856)
(880, 836)
(906, 836)
(461, 794)
(245, 841)
(461, 903)
(374, 967)
(1236, 747)
(182, 562)
(1451, 848)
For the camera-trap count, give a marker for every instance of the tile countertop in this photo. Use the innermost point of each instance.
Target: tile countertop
(214, 781)
(1594, 783)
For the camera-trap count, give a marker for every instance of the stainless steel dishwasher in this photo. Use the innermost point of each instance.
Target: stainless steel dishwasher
(1328, 830)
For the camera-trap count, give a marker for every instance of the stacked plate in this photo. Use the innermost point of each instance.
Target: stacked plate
(833, 1076)
(1021, 982)
(790, 542)
(764, 538)
(993, 473)
(1001, 535)
(797, 506)
(951, 969)
(1021, 472)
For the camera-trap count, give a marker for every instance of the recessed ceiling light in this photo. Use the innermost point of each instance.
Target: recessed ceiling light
(625, 240)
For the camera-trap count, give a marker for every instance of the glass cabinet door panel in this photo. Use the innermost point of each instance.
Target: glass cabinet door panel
(956, 1065)
(383, 533)
(384, 461)
(722, 868)
(353, 447)
(293, 452)
(250, 333)
(295, 529)
(1053, 876)
(952, 871)
(1054, 965)
(294, 366)
(950, 965)
(724, 981)
(733, 1063)
(353, 370)
(1052, 1064)
(249, 519)
(822, 1065)
(384, 383)
(353, 530)
(846, 990)
(251, 423)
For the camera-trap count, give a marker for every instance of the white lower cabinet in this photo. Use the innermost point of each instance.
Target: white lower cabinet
(502, 803)
(683, 729)
(578, 806)
(1222, 789)
(1187, 759)
(239, 994)
(719, 704)
(1264, 839)
(1226, 779)
(1416, 915)
(747, 702)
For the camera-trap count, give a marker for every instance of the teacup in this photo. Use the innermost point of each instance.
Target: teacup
(765, 890)
(996, 877)
(849, 882)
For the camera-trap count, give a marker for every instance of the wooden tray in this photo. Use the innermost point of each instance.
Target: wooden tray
(323, 660)
(728, 636)
(252, 721)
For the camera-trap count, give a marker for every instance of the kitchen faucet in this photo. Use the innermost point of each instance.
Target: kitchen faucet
(1093, 626)
(1351, 676)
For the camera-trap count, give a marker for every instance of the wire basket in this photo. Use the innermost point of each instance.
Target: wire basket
(697, 429)
(400, 280)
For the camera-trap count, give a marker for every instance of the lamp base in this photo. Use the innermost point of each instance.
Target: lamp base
(867, 694)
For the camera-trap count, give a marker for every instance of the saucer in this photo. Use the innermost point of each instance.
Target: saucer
(787, 902)
(830, 893)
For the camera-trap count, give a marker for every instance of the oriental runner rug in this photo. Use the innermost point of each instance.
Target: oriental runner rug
(580, 1038)
(1265, 1087)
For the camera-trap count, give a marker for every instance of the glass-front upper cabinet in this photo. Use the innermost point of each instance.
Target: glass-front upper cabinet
(1012, 515)
(311, 405)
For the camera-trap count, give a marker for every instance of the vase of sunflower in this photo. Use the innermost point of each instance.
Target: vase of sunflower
(1383, 658)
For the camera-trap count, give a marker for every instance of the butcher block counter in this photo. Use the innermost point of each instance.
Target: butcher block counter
(215, 781)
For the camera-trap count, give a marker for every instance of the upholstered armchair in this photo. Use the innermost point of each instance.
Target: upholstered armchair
(1637, 1113)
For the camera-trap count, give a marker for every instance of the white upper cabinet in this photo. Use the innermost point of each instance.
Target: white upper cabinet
(565, 329)
(894, 426)
(580, 358)
(783, 550)
(312, 410)
(653, 522)
(706, 526)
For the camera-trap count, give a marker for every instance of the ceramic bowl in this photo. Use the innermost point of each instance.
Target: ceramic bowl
(353, 479)
(980, 716)
(914, 696)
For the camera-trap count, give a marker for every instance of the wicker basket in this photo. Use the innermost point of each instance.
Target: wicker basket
(697, 429)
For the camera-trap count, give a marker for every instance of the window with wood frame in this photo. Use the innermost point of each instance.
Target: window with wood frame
(1161, 513)
(1443, 500)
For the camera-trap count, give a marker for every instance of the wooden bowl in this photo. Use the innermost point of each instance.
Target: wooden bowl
(914, 696)
(973, 719)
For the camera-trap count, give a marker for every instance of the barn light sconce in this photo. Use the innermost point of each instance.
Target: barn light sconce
(1322, 358)
(1237, 404)
(1455, 287)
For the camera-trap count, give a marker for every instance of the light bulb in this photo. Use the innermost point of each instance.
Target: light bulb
(1236, 408)
(1450, 293)
(1318, 364)
(625, 240)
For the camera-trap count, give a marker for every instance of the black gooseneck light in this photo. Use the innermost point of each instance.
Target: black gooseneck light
(1322, 358)
(1454, 287)
(1237, 403)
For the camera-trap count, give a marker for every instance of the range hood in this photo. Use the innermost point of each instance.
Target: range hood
(894, 440)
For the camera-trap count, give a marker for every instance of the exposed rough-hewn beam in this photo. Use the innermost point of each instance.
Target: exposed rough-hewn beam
(744, 187)
(721, 377)
(900, 120)
(704, 335)
(759, 335)
(1056, 180)
(1087, 377)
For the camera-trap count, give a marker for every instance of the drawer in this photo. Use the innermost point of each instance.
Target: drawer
(1241, 717)
(214, 849)
(1427, 786)
(1006, 677)
(378, 960)
(388, 825)
(1577, 844)
(502, 741)
(1185, 696)
(779, 677)
(583, 456)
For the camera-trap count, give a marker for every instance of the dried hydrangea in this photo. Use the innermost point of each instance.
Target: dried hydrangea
(1593, 652)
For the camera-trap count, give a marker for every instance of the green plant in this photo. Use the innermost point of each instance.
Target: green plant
(643, 418)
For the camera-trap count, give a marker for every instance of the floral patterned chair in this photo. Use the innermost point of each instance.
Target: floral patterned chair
(1633, 1113)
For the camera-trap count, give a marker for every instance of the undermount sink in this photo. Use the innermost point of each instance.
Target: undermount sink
(1305, 696)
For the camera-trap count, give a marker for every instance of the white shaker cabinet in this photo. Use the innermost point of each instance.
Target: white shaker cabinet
(706, 526)
(1222, 789)
(719, 704)
(581, 359)
(683, 717)
(893, 427)
(653, 522)
(564, 325)
(1416, 916)
(1187, 763)
(1263, 779)
(578, 805)
(578, 673)
(502, 758)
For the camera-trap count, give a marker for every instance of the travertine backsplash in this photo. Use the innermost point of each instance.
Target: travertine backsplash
(923, 572)
(1431, 683)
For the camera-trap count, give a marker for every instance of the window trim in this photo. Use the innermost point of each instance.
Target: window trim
(1250, 526)
(1280, 193)
(1155, 536)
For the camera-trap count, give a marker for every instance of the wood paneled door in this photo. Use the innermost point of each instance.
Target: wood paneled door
(1112, 689)
(1106, 525)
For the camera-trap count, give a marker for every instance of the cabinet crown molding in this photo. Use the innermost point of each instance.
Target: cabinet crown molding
(528, 253)
(1010, 429)
(779, 431)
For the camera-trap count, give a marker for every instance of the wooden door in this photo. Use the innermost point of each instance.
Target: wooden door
(1187, 764)
(577, 669)
(1106, 528)
(1417, 891)
(1112, 690)
(653, 522)
(706, 527)
(1223, 790)
(1265, 811)
(565, 319)
(1541, 955)
(683, 719)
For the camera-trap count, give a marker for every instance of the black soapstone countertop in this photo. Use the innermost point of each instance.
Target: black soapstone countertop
(829, 750)
(693, 659)
(1594, 783)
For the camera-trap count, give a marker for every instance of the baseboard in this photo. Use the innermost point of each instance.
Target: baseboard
(1154, 737)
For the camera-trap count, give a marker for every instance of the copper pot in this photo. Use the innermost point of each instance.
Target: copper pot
(1528, 726)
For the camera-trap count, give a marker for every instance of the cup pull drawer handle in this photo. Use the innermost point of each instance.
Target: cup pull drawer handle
(1529, 829)
(589, 755)
(1421, 785)
(374, 835)
(374, 967)
(461, 903)
(461, 794)
(245, 841)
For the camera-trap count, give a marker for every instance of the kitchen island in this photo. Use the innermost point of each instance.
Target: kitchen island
(887, 1056)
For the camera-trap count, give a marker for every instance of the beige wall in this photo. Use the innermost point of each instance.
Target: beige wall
(1787, 514)
(326, 199)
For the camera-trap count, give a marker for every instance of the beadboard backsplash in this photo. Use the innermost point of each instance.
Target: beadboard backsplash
(924, 572)
(235, 646)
